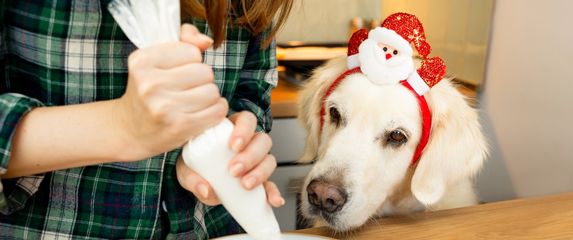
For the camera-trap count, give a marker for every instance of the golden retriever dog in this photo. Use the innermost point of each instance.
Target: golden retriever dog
(363, 152)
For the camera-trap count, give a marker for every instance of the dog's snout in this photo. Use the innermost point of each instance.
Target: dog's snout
(325, 196)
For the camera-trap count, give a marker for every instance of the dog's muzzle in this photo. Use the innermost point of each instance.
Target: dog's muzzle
(326, 197)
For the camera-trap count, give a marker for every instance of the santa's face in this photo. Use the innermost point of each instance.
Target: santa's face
(388, 50)
(384, 64)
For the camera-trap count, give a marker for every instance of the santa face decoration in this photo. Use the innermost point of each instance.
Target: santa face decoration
(385, 54)
(384, 57)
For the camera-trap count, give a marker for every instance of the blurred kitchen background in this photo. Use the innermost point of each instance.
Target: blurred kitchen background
(458, 30)
(511, 57)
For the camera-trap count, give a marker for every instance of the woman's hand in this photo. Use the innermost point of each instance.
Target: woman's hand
(170, 97)
(252, 163)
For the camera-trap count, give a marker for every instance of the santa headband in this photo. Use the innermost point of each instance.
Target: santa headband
(400, 31)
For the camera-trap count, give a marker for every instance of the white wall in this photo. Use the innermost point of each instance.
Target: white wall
(527, 101)
(326, 21)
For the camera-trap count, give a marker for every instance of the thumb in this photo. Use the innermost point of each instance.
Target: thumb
(190, 34)
(191, 181)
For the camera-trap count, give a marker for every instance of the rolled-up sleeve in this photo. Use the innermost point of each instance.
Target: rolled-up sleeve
(13, 192)
(257, 78)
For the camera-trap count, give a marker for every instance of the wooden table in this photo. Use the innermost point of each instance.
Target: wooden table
(549, 217)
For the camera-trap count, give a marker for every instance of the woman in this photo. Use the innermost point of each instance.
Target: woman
(77, 118)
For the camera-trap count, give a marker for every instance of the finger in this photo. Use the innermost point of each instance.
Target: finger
(194, 183)
(188, 76)
(198, 98)
(260, 173)
(188, 30)
(251, 156)
(273, 194)
(206, 118)
(206, 194)
(245, 126)
(190, 34)
(166, 56)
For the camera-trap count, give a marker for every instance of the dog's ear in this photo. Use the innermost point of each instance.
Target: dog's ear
(456, 148)
(310, 102)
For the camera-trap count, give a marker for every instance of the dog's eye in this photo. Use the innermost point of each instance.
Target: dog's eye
(397, 137)
(395, 52)
(385, 49)
(335, 116)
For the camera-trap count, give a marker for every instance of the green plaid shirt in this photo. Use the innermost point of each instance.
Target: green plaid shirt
(59, 52)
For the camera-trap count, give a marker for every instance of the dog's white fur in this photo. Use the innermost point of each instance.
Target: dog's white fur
(378, 178)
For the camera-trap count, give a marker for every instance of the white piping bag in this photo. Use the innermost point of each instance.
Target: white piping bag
(209, 155)
(151, 22)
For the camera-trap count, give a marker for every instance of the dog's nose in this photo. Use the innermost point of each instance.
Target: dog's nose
(325, 196)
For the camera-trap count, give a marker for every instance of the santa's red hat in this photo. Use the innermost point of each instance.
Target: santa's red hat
(409, 28)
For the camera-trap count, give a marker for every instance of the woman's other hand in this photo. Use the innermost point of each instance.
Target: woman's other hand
(252, 163)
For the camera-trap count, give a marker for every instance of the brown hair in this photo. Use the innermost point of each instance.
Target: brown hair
(255, 15)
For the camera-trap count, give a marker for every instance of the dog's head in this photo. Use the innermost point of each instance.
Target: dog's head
(363, 152)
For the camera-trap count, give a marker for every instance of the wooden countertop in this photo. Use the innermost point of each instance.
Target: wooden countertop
(285, 96)
(549, 217)
(284, 100)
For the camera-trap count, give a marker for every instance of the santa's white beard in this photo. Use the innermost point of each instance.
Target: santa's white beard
(374, 65)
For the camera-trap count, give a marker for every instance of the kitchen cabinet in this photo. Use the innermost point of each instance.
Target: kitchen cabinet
(288, 140)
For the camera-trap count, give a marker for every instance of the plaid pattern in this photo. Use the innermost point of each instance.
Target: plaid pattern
(59, 52)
